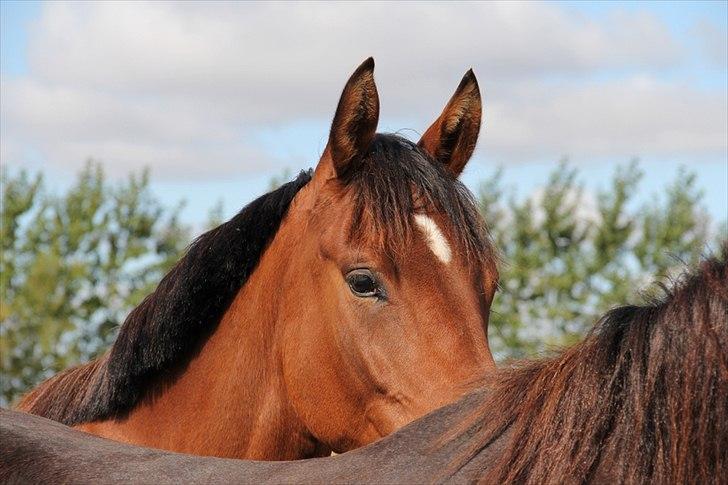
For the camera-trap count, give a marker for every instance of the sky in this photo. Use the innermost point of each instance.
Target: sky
(217, 98)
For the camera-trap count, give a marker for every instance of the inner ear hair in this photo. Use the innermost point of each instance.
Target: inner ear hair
(356, 119)
(451, 139)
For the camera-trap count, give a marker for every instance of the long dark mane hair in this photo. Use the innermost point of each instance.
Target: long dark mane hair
(170, 324)
(643, 399)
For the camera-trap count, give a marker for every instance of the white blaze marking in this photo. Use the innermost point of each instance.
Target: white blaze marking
(435, 240)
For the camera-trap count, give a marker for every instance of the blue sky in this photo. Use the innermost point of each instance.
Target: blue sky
(15, 17)
(204, 96)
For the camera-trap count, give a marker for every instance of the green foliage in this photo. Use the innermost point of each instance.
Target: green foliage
(215, 215)
(72, 268)
(280, 179)
(566, 260)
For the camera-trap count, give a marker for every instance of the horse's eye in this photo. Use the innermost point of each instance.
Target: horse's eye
(362, 283)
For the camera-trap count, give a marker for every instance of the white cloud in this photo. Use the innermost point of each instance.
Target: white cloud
(70, 125)
(185, 87)
(714, 40)
(632, 117)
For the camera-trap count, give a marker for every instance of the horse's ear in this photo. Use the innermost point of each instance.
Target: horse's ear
(355, 121)
(452, 137)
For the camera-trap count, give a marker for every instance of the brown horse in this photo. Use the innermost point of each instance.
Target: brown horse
(325, 315)
(644, 399)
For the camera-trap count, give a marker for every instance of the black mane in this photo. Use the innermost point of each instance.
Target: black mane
(393, 181)
(642, 399)
(167, 327)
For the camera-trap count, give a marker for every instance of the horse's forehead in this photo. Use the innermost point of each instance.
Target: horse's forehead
(434, 237)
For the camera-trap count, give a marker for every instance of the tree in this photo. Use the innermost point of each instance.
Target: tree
(566, 262)
(72, 268)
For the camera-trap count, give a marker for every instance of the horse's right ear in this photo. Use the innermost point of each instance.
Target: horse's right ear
(355, 121)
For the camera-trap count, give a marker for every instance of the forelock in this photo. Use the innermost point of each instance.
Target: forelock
(396, 180)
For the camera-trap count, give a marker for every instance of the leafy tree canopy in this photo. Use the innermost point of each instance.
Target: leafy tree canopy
(568, 258)
(73, 265)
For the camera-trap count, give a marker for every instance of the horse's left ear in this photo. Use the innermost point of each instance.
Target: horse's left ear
(356, 118)
(452, 137)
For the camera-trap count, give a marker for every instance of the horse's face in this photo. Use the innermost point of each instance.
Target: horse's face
(382, 334)
(392, 336)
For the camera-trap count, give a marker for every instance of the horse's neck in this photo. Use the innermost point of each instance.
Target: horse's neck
(230, 399)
